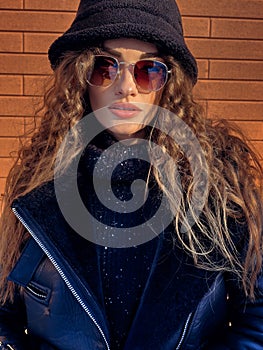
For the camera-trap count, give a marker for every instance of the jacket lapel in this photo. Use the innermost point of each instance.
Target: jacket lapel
(40, 214)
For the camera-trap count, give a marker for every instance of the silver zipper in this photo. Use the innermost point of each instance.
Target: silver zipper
(63, 276)
(184, 332)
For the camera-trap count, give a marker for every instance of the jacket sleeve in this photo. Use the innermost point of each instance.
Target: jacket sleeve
(13, 320)
(245, 328)
(246, 320)
(13, 325)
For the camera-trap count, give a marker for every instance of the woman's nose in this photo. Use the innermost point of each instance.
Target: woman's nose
(125, 84)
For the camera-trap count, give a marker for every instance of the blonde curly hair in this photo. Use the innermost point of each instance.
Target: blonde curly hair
(234, 173)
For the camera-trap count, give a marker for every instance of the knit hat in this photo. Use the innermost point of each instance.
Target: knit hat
(153, 21)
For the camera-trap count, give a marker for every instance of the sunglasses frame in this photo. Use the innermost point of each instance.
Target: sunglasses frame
(129, 66)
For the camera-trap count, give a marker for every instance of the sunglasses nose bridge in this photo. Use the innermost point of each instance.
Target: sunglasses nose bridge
(129, 66)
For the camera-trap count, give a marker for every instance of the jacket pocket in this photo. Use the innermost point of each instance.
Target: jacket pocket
(38, 292)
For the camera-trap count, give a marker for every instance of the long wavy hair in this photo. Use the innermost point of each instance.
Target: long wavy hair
(232, 178)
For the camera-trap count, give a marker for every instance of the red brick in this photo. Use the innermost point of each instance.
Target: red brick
(35, 85)
(25, 64)
(259, 148)
(252, 130)
(246, 70)
(224, 49)
(38, 42)
(17, 106)
(11, 126)
(35, 21)
(202, 68)
(8, 145)
(222, 8)
(203, 104)
(63, 5)
(11, 42)
(2, 188)
(228, 28)
(11, 85)
(196, 27)
(11, 4)
(229, 90)
(236, 110)
(5, 166)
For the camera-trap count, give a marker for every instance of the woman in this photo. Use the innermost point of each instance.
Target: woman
(121, 108)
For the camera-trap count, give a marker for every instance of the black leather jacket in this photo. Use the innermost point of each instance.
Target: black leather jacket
(182, 307)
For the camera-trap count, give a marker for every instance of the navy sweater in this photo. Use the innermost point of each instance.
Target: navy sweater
(123, 271)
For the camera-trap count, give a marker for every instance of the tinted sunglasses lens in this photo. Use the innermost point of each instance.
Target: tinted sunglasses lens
(150, 75)
(104, 71)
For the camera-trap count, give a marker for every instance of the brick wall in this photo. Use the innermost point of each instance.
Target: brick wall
(226, 36)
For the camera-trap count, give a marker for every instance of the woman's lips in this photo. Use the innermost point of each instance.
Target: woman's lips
(124, 110)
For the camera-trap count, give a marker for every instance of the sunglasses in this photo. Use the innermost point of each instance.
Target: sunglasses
(148, 74)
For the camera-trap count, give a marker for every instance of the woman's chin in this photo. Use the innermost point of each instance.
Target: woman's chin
(131, 132)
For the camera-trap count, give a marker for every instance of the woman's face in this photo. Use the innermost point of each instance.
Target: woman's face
(127, 106)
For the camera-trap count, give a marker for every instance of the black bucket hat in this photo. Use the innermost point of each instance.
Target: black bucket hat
(153, 21)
